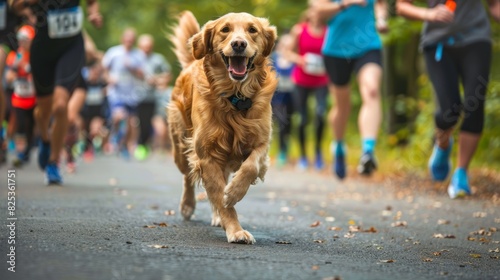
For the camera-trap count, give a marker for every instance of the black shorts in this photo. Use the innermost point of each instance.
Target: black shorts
(56, 62)
(340, 70)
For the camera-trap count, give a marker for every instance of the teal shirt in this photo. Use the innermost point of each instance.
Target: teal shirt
(352, 32)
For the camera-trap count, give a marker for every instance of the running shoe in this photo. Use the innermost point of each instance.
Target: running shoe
(282, 159)
(141, 152)
(88, 155)
(21, 159)
(71, 167)
(367, 164)
(319, 164)
(303, 164)
(459, 185)
(43, 154)
(439, 163)
(339, 167)
(52, 174)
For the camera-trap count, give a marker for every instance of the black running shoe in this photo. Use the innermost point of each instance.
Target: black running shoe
(367, 164)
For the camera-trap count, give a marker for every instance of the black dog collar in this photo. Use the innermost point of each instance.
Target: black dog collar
(240, 102)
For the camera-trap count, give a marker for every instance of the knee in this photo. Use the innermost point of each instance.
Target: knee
(60, 109)
(371, 95)
(448, 118)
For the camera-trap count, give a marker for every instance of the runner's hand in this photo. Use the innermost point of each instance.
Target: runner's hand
(95, 19)
(440, 13)
(382, 25)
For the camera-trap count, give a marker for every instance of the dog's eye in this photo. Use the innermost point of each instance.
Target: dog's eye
(252, 29)
(225, 29)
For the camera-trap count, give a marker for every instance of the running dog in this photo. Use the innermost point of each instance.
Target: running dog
(220, 111)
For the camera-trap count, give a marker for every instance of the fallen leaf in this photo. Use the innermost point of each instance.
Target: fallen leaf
(349, 235)
(315, 224)
(437, 253)
(494, 257)
(315, 267)
(319, 241)
(387, 261)
(370, 230)
(112, 182)
(169, 213)
(386, 213)
(332, 278)
(162, 224)
(479, 214)
(330, 219)
(497, 250)
(336, 237)
(493, 229)
(427, 260)
(440, 235)
(399, 224)
(284, 209)
(148, 226)
(130, 206)
(351, 222)
(443, 222)
(354, 228)
(476, 256)
(470, 238)
(158, 246)
(129, 242)
(201, 196)
(335, 228)
(495, 242)
(283, 242)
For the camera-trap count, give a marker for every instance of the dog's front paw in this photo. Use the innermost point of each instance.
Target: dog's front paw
(232, 194)
(240, 237)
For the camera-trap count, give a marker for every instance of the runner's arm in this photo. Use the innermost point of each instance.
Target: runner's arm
(19, 6)
(94, 16)
(495, 9)
(440, 13)
(381, 10)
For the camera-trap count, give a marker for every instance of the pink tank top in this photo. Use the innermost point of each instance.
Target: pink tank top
(313, 73)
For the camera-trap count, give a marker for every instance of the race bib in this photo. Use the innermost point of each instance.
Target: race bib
(285, 84)
(65, 23)
(23, 88)
(94, 96)
(3, 15)
(314, 64)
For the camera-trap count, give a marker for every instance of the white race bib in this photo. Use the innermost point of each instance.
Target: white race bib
(23, 88)
(3, 15)
(65, 23)
(94, 96)
(314, 64)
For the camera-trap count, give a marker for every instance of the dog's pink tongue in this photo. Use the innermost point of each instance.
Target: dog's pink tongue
(237, 65)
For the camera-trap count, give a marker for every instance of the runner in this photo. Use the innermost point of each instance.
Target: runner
(9, 21)
(23, 97)
(457, 47)
(57, 56)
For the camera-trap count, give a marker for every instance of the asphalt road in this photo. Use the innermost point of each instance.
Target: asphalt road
(120, 220)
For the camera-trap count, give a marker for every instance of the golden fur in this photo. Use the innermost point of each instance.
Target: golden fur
(211, 138)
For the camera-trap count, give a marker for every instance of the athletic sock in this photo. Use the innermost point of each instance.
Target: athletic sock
(368, 145)
(339, 148)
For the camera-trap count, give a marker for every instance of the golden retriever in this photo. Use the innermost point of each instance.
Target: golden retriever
(220, 111)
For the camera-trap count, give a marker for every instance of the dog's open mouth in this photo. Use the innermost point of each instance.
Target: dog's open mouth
(238, 66)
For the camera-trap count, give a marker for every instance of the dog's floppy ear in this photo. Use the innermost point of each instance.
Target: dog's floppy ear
(201, 42)
(270, 35)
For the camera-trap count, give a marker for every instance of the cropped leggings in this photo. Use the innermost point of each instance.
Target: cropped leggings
(469, 64)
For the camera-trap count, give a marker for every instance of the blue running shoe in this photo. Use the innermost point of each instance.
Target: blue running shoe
(318, 163)
(303, 164)
(282, 159)
(125, 153)
(43, 154)
(439, 163)
(459, 185)
(52, 174)
(339, 163)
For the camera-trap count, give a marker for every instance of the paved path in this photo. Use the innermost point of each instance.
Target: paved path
(94, 228)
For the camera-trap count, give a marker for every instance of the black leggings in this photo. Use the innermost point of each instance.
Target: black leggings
(301, 97)
(145, 112)
(25, 125)
(470, 64)
(282, 113)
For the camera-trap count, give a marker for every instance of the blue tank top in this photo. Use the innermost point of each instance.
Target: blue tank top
(352, 32)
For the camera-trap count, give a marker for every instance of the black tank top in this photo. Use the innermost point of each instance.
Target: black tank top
(9, 21)
(58, 19)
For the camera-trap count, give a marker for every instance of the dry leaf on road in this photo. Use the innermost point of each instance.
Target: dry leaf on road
(315, 224)
(162, 224)
(158, 246)
(399, 224)
(440, 235)
(476, 256)
(427, 260)
(283, 242)
(387, 261)
(443, 222)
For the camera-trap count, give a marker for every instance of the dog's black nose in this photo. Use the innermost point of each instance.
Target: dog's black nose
(239, 45)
